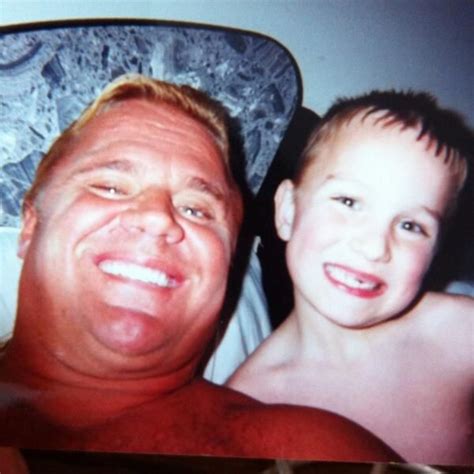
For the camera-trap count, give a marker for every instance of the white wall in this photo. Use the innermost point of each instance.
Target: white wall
(343, 47)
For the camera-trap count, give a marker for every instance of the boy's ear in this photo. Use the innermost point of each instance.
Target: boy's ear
(285, 209)
(30, 218)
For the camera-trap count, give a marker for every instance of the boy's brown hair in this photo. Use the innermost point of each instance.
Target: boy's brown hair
(445, 129)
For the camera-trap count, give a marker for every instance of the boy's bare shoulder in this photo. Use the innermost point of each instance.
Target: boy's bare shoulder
(263, 370)
(448, 320)
(256, 374)
(442, 308)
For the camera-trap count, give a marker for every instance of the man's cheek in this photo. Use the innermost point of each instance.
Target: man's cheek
(217, 245)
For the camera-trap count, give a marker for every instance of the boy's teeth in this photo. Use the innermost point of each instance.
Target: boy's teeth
(136, 272)
(350, 280)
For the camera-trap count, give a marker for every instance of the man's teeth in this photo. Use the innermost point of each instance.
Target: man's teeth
(350, 280)
(137, 272)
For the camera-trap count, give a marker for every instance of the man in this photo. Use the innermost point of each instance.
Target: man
(128, 233)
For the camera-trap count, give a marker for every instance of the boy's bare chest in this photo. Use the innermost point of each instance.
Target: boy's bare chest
(416, 406)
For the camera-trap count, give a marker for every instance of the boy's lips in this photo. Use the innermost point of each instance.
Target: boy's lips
(354, 282)
(146, 274)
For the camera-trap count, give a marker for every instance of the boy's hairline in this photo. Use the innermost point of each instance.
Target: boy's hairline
(327, 132)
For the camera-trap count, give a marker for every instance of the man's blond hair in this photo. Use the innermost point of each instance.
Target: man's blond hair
(194, 103)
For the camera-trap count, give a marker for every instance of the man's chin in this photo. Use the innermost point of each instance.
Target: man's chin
(129, 332)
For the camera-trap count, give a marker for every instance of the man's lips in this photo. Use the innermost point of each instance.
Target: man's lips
(354, 282)
(139, 273)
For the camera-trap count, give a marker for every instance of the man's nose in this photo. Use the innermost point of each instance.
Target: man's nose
(373, 243)
(153, 213)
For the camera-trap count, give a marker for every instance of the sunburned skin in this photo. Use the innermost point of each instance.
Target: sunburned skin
(361, 341)
(212, 421)
(12, 461)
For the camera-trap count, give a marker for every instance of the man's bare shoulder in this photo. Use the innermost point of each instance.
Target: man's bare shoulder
(202, 418)
(279, 430)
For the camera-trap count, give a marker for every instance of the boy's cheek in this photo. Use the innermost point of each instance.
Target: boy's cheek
(417, 264)
(309, 244)
(320, 225)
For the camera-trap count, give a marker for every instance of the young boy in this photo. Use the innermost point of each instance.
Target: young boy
(378, 180)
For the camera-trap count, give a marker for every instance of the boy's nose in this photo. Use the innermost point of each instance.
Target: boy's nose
(374, 245)
(153, 213)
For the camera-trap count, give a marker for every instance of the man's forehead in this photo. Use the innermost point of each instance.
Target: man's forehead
(139, 119)
(151, 112)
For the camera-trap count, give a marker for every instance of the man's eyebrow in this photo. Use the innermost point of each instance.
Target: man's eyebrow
(202, 185)
(115, 165)
(126, 166)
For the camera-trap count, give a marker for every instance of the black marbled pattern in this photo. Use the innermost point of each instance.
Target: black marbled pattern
(49, 74)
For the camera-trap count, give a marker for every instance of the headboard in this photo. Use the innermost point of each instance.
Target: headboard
(49, 72)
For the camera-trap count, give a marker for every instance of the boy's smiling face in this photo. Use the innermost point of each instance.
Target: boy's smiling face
(364, 223)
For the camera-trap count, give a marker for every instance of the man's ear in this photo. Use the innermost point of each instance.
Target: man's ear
(30, 218)
(285, 209)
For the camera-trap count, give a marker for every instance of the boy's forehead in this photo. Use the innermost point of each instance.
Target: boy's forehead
(364, 139)
(381, 153)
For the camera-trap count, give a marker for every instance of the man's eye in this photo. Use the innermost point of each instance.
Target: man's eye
(194, 212)
(107, 190)
(413, 227)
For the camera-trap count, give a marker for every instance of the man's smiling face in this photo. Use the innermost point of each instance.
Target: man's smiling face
(128, 245)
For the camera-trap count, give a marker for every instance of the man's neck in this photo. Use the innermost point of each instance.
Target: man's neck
(67, 397)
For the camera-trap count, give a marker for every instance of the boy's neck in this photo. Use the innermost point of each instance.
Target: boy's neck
(318, 337)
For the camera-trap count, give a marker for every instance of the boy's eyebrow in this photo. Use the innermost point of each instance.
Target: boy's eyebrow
(433, 213)
(331, 177)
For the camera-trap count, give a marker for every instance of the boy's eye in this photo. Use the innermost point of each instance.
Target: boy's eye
(347, 201)
(413, 227)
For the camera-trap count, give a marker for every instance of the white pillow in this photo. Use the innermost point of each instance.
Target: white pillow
(249, 324)
(461, 288)
(247, 328)
(10, 268)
